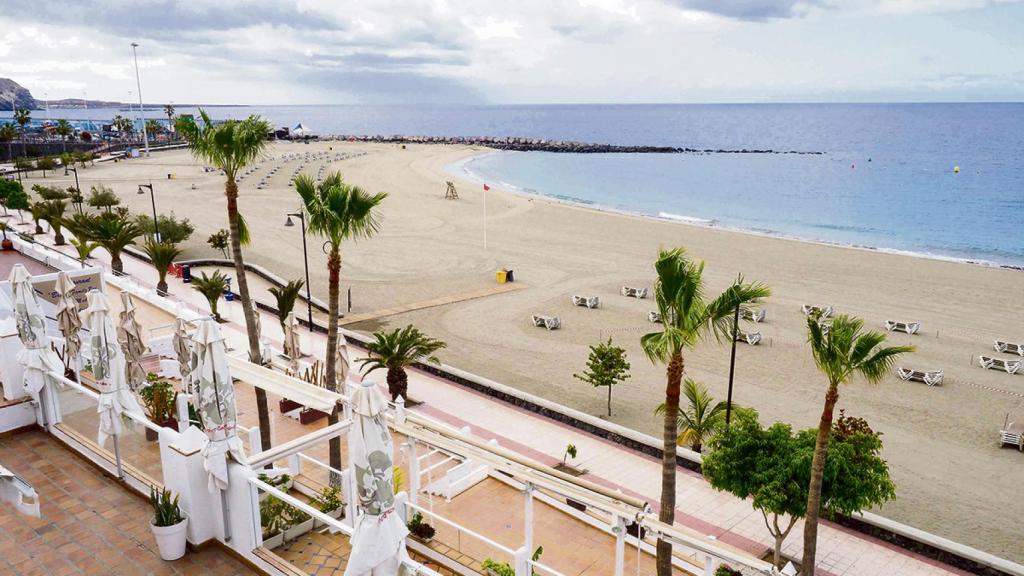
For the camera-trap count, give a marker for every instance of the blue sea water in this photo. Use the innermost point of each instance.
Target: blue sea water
(885, 179)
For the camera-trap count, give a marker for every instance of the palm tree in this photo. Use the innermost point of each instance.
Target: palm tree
(395, 351)
(113, 233)
(702, 420)
(38, 211)
(169, 112)
(842, 351)
(64, 129)
(79, 225)
(53, 212)
(153, 127)
(7, 134)
(230, 146)
(688, 317)
(285, 296)
(22, 116)
(212, 287)
(338, 212)
(162, 255)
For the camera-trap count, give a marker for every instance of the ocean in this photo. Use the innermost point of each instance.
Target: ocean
(940, 180)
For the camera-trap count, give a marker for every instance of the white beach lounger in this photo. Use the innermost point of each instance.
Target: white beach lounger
(1008, 366)
(754, 316)
(586, 301)
(1012, 435)
(639, 293)
(931, 378)
(1008, 347)
(549, 322)
(825, 312)
(908, 327)
(653, 316)
(752, 338)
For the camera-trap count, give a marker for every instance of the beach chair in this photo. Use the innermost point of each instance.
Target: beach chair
(752, 338)
(931, 378)
(825, 312)
(1012, 434)
(1008, 366)
(586, 301)
(639, 293)
(897, 326)
(754, 316)
(549, 322)
(654, 316)
(1008, 347)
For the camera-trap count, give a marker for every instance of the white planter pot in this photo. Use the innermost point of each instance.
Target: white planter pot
(274, 541)
(336, 514)
(171, 539)
(298, 530)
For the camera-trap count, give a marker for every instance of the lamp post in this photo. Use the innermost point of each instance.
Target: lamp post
(152, 199)
(732, 364)
(77, 187)
(305, 258)
(142, 110)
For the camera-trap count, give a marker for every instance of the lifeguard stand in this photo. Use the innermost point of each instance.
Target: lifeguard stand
(451, 193)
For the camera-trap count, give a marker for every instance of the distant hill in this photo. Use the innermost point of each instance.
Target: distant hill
(13, 95)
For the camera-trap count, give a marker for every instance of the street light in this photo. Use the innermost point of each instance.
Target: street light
(152, 198)
(732, 364)
(305, 257)
(77, 187)
(142, 111)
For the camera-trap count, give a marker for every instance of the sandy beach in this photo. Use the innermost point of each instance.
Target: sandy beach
(941, 442)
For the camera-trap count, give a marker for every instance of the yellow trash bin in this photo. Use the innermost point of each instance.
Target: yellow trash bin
(501, 276)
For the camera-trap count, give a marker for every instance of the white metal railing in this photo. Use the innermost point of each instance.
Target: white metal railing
(542, 569)
(460, 529)
(290, 447)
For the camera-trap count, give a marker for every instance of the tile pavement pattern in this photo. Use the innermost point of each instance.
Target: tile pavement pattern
(90, 525)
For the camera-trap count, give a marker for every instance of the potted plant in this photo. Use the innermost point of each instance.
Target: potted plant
(160, 398)
(282, 482)
(7, 243)
(420, 530)
(169, 525)
(273, 521)
(726, 570)
(495, 568)
(330, 503)
(299, 523)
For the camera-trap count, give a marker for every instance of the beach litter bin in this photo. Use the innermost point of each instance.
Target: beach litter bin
(509, 277)
(229, 296)
(186, 273)
(501, 276)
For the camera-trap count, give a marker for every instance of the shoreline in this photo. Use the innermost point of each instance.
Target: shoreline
(459, 168)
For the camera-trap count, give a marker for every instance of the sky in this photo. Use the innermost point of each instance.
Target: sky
(520, 51)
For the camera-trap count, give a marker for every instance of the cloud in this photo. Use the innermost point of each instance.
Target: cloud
(753, 10)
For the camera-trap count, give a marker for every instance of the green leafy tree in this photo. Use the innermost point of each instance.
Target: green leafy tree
(46, 163)
(114, 232)
(103, 198)
(607, 366)
(212, 287)
(286, 296)
(67, 159)
(49, 192)
(123, 125)
(38, 211)
(171, 228)
(397, 350)
(220, 241)
(169, 112)
(53, 213)
(12, 195)
(843, 351)
(24, 164)
(153, 127)
(699, 421)
(162, 255)
(231, 146)
(76, 198)
(23, 117)
(63, 129)
(688, 317)
(338, 212)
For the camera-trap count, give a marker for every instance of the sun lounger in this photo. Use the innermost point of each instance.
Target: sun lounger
(1008, 347)
(754, 315)
(654, 316)
(752, 338)
(586, 301)
(640, 293)
(1013, 435)
(1008, 366)
(931, 378)
(825, 312)
(908, 327)
(549, 322)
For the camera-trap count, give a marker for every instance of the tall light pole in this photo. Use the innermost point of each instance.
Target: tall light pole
(152, 199)
(305, 256)
(142, 110)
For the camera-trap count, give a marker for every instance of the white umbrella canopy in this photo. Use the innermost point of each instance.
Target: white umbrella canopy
(68, 321)
(292, 347)
(180, 343)
(342, 364)
(129, 335)
(378, 542)
(37, 357)
(107, 362)
(215, 402)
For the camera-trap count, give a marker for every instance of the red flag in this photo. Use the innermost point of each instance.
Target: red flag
(486, 187)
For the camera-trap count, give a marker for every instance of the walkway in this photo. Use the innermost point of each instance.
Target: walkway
(89, 525)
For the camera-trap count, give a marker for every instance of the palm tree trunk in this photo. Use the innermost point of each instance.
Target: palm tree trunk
(609, 401)
(231, 191)
(817, 473)
(398, 383)
(333, 282)
(115, 262)
(668, 459)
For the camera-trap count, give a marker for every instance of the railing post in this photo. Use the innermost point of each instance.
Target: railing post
(619, 529)
(521, 562)
(350, 498)
(295, 463)
(710, 565)
(414, 470)
(255, 444)
(528, 517)
(183, 418)
(400, 410)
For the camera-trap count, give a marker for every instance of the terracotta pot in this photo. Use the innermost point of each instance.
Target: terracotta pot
(287, 405)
